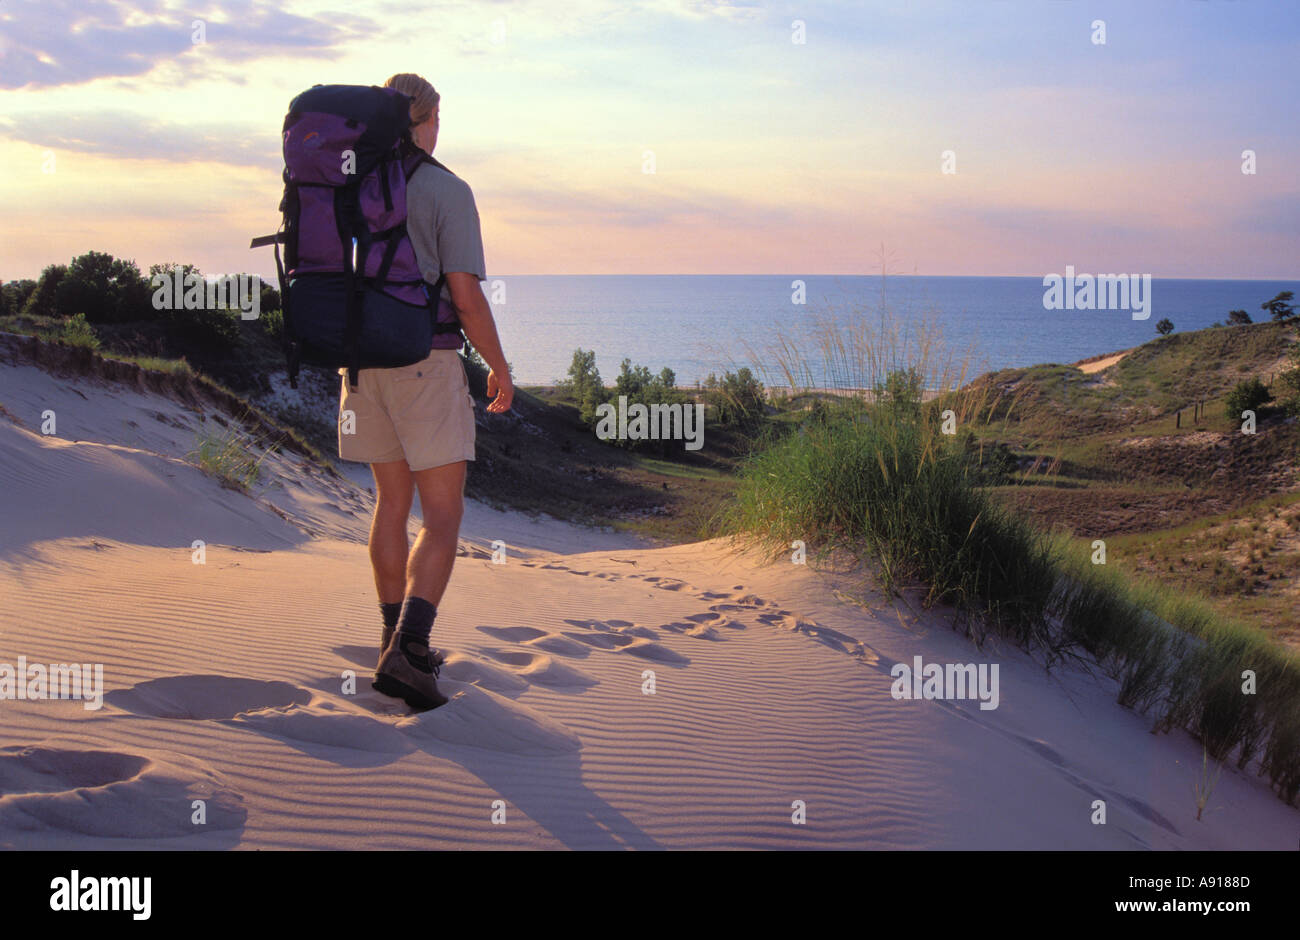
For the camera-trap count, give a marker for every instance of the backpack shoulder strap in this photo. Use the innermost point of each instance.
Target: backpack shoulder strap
(413, 158)
(440, 166)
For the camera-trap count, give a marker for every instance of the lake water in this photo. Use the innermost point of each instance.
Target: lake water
(697, 324)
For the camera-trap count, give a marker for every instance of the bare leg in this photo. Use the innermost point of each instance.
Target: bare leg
(394, 490)
(442, 503)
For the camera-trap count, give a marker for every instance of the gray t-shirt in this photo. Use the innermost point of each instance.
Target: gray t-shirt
(442, 221)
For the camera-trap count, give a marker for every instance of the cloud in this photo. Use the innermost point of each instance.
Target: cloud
(737, 10)
(130, 136)
(46, 43)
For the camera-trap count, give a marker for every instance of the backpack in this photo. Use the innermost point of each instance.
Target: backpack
(351, 290)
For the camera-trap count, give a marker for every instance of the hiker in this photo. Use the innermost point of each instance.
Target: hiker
(415, 424)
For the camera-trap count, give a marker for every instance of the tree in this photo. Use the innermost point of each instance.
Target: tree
(42, 301)
(1249, 395)
(201, 329)
(269, 298)
(631, 380)
(644, 388)
(104, 288)
(735, 399)
(1238, 318)
(584, 384)
(1280, 307)
(1165, 327)
(14, 294)
(900, 394)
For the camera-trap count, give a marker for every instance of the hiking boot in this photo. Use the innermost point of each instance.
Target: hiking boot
(387, 638)
(407, 671)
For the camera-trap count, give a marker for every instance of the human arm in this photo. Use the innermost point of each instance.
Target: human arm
(480, 328)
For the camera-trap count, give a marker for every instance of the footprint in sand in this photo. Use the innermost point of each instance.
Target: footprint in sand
(111, 794)
(714, 619)
(698, 631)
(665, 584)
(656, 652)
(730, 608)
(840, 642)
(615, 626)
(514, 634)
(462, 668)
(543, 670)
(325, 723)
(634, 646)
(203, 697)
(603, 641)
(736, 601)
(278, 709)
(549, 642)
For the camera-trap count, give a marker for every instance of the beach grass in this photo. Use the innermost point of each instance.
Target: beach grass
(897, 479)
(230, 456)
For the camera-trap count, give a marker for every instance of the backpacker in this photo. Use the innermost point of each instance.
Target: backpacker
(351, 289)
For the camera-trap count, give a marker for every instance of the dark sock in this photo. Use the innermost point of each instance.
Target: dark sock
(391, 612)
(417, 619)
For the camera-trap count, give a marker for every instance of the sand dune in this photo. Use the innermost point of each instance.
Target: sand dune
(1098, 363)
(243, 683)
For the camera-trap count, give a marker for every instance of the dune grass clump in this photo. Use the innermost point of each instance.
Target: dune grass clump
(879, 469)
(884, 482)
(78, 332)
(230, 456)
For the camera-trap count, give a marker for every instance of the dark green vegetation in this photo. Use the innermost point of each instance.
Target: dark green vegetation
(113, 303)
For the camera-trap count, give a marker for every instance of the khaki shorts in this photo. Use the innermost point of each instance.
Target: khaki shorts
(421, 413)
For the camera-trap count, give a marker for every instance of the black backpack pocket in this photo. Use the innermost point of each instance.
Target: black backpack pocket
(393, 333)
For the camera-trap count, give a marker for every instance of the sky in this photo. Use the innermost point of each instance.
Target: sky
(120, 133)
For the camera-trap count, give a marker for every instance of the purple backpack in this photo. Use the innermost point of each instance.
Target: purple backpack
(352, 292)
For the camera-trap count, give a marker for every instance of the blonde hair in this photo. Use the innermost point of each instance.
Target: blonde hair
(423, 97)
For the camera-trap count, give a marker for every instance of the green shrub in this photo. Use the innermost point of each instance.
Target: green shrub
(1248, 395)
(583, 385)
(78, 332)
(736, 400)
(640, 386)
(273, 323)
